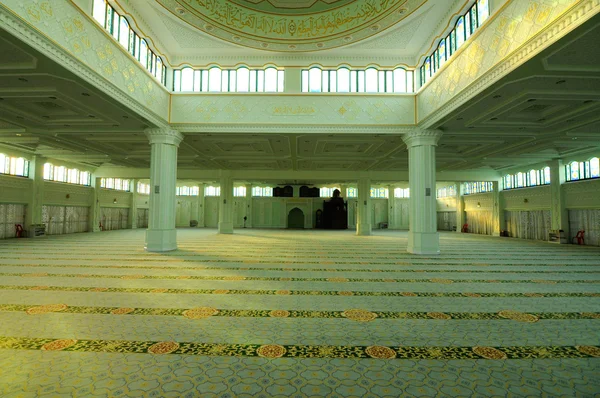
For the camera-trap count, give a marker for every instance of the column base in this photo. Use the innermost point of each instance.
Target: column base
(427, 243)
(363, 229)
(225, 227)
(161, 240)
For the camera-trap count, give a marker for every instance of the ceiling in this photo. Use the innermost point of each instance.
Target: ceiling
(290, 33)
(548, 108)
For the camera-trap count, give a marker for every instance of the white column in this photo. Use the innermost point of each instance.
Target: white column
(498, 222)
(161, 235)
(249, 207)
(33, 215)
(423, 237)
(391, 207)
(460, 208)
(95, 207)
(201, 205)
(226, 205)
(363, 219)
(558, 211)
(133, 208)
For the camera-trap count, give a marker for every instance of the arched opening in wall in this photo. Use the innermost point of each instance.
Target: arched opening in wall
(296, 219)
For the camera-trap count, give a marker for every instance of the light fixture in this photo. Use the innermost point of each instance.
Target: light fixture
(115, 200)
(478, 204)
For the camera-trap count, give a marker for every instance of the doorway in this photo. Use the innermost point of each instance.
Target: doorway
(296, 219)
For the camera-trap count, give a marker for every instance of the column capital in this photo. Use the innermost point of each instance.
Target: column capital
(163, 136)
(419, 137)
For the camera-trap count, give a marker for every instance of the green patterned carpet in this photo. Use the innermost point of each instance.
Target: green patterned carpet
(266, 313)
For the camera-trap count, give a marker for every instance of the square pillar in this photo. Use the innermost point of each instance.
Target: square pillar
(95, 206)
(200, 206)
(226, 205)
(363, 220)
(423, 237)
(33, 215)
(249, 206)
(161, 235)
(460, 208)
(132, 222)
(559, 214)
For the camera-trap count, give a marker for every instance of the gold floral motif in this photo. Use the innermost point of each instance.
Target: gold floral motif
(58, 345)
(35, 274)
(234, 278)
(380, 352)
(39, 288)
(164, 347)
(546, 282)
(200, 312)
(345, 293)
(221, 291)
(389, 280)
(359, 315)
(408, 294)
(518, 316)
(136, 276)
(472, 294)
(593, 315)
(99, 289)
(44, 309)
(589, 350)
(489, 352)
(279, 313)
(184, 277)
(283, 292)
(444, 281)
(271, 351)
(122, 311)
(337, 279)
(533, 294)
(438, 315)
(285, 279)
(161, 290)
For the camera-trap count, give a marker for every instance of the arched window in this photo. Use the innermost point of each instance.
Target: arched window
(212, 191)
(271, 80)
(483, 10)
(262, 191)
(520, 180)
(243, 80)
(460, 32)
(187, 79)
(144, 53)
(594, 168)
(314, 80)
(371, 80)
(351, 192)
(402, 193)
(533, 178)
(399, 80)
(124, 33)
(214, 79)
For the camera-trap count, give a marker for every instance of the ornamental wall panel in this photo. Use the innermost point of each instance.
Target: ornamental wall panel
(67, 27)
(309, 109)
(510, 29)
(582, 194)
(533, 198)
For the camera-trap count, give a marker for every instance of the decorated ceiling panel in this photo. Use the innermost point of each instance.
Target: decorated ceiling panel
(285, 25)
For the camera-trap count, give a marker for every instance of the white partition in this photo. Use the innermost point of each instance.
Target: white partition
(65, 219)
(11, 214)
(534, 224)
(142, 218)
(446, 220)
(587, 220)
(113, 218)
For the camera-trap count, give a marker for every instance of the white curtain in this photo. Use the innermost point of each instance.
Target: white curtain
(113, 218)
(76, 219)
(54, 218)
(528, 224)
(142, 218)
(11, 214)
(446, 220)
(480, 222)
(587, 220)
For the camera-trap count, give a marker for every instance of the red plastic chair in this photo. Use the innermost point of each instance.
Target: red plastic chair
(19, 231)
(580, 237)
(465, 228)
